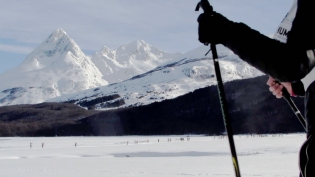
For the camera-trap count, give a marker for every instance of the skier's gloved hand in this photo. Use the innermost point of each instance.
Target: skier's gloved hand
(213, 28)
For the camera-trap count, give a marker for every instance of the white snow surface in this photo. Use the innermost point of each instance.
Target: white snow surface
(183, 74)
(269, 156)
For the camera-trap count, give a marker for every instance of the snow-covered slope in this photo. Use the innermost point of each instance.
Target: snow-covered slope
(129, 60)
(55, 67)
(179, 76)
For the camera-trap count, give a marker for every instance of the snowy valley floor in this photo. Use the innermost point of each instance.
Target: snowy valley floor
(269, 156)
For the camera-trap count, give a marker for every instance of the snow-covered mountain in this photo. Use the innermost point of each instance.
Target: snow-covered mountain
(137, 74)
(129, 60)
(56, 67)
(176, 77)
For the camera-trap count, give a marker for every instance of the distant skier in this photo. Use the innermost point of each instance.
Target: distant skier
(31, 144)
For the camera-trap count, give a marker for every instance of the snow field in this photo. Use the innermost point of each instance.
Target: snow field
(154, 156)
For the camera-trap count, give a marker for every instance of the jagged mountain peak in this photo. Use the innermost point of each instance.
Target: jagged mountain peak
(135, 46)
(140, 50)
(139, 43)
(105, 52)
(129, 60)
(58, 43)
(106, 49)
(59, 32)
(56, 67)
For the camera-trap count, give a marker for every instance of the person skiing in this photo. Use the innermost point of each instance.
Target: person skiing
(289, 59)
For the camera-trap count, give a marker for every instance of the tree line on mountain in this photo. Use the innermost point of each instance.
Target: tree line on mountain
(30, 120)
(252, 108)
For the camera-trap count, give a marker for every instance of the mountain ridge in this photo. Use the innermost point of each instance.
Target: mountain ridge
(170, 80)
(138, 72)
(129, 60)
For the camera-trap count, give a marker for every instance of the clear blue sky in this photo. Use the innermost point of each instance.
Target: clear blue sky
(169, 25)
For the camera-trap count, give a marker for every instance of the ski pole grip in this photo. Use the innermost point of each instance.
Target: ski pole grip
(285, 94)
(205, 5)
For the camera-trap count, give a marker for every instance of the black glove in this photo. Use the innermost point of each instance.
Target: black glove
(213, 28)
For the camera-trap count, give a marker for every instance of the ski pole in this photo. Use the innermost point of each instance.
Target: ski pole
(207, 8)
(297, 112)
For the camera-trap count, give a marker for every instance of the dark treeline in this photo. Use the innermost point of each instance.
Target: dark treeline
(253, 109)
(31, 120)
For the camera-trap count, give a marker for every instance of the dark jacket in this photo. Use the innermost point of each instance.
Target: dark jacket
(286, 62)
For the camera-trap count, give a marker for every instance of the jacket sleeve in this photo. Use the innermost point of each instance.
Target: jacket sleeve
(282, 61)
(298, 88)
(286, 62)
